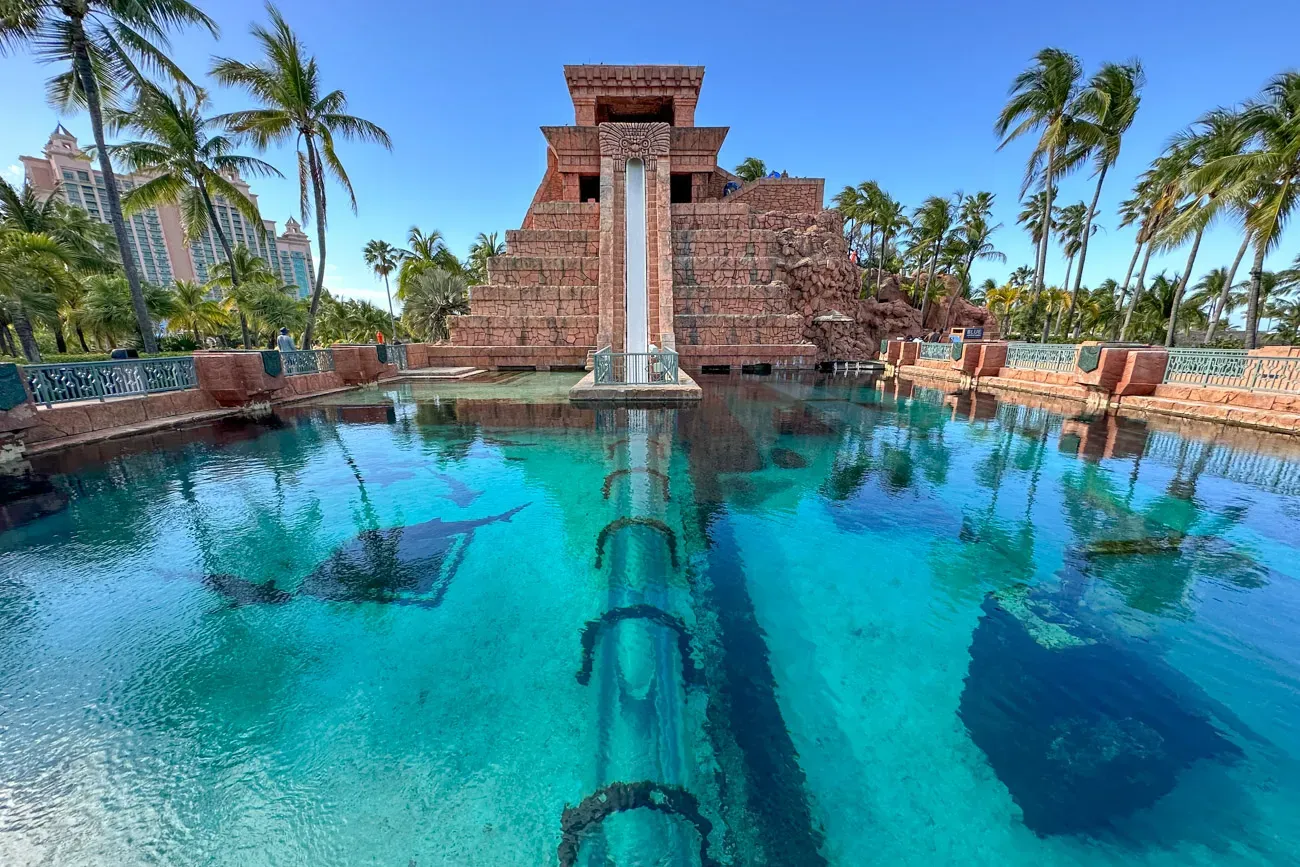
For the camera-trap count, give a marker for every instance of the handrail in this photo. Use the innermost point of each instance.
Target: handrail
(936, 351)
(1056, 357)
(1232, 368)
(97, 380)
(301, 361)
(659, 367)
(397, 355)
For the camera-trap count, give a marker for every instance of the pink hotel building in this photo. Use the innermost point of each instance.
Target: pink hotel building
(157, 234)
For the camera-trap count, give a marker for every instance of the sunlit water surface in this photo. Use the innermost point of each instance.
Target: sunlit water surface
(410, 625)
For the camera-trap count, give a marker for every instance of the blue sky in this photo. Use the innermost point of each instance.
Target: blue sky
(904, 93)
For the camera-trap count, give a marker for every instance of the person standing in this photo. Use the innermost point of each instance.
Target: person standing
(284, 341)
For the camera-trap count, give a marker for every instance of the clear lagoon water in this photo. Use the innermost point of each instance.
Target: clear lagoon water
(818, 621)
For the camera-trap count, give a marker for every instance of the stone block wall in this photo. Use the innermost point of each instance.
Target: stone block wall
(789, 195)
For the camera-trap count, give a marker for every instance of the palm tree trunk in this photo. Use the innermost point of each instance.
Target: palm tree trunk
(1123, 289)
(230, 256)
(1222, 301)
(880, 260)
(23, 326)
(1252, 300)
(60, 343)
(391, 321)
(318, 193)
(1182, 287)
(1087, 232)
(6, 340)
(1069, 266)
(1137, 293)
(81, 338)
(929, 275)
(84, 72)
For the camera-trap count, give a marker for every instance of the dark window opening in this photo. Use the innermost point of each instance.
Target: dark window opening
(626, 109)
(589, 188)
(680, 190)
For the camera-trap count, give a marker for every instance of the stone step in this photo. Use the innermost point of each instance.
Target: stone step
(726, 270)
(738, 299)
(544, 270)
(492, 299)
(726, 329)
(725, 242)
(517, 330)
(552, 242)
(564, 215)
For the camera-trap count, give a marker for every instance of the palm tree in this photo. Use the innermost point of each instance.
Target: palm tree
(383, 257)
(32, 265)
(287, 85)
(932, 222)
(1044, 100)
(107, 312)
(106, 43)
(1155, 201)
(425, 251)
(350, 320)
(891, 219)
(484, 248)
(433, 296)
(1266, 174)
(194, 311)
(238, 277)
(1216, 135)
(976, 212)
(1108, 104)
(751, 169)
(187, 164)
(86, 244)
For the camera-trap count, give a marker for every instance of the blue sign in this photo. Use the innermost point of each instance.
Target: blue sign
(974, 334)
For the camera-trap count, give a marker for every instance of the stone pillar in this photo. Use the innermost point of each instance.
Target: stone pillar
(908, 353)
(992, 358)
(648, 142)
(17, 414)
(359, 363)
(892, 350)
(239, 378)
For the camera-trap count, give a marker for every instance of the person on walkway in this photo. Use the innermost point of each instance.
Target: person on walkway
(284, 341)
(379, 337)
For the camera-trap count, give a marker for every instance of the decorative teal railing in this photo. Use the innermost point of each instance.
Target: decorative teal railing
(659, 367)
(303, 361)
(1058, 358)
(97, 380)
(1225, 368)
(936, 351)
(397, 355)
(1232, 368)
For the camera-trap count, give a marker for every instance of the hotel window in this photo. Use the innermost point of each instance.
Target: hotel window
(84, 177)
(68, 176)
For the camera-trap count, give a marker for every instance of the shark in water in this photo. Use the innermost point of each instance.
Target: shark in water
(457, 491)
(412, 565)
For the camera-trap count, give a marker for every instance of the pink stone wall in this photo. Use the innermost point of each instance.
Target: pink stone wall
(791, 195)
(89, 416)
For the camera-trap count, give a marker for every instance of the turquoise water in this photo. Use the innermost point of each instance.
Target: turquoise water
(414, 625)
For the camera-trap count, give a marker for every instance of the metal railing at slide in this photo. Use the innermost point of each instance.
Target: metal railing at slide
(302, 361)
(1232, 368)
(659, 367)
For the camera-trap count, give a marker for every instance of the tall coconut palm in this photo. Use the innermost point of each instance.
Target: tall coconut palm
(106, 45)
(1044, 101)
(1156, 198)
(188, 161)
(193, 310)
(1108, 106)
(891, 219)
(1267, 174)
(1216, 135)
(292, 107)
(383, 258)
(975, 229)
(932, 221)
(751, 169)
(106, 309)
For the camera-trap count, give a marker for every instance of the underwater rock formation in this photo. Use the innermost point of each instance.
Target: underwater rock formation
(1082, 731)
(788, 459)
(24, 497)
(618, 797)
(400, 565)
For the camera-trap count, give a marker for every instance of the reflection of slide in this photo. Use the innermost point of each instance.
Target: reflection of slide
(622, 523)
(690, 674)
(618, 797)
(609, 480)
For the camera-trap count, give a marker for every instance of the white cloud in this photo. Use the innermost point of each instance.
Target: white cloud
(16, 171)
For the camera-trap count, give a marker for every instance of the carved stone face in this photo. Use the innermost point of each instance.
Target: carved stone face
(634, 141)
